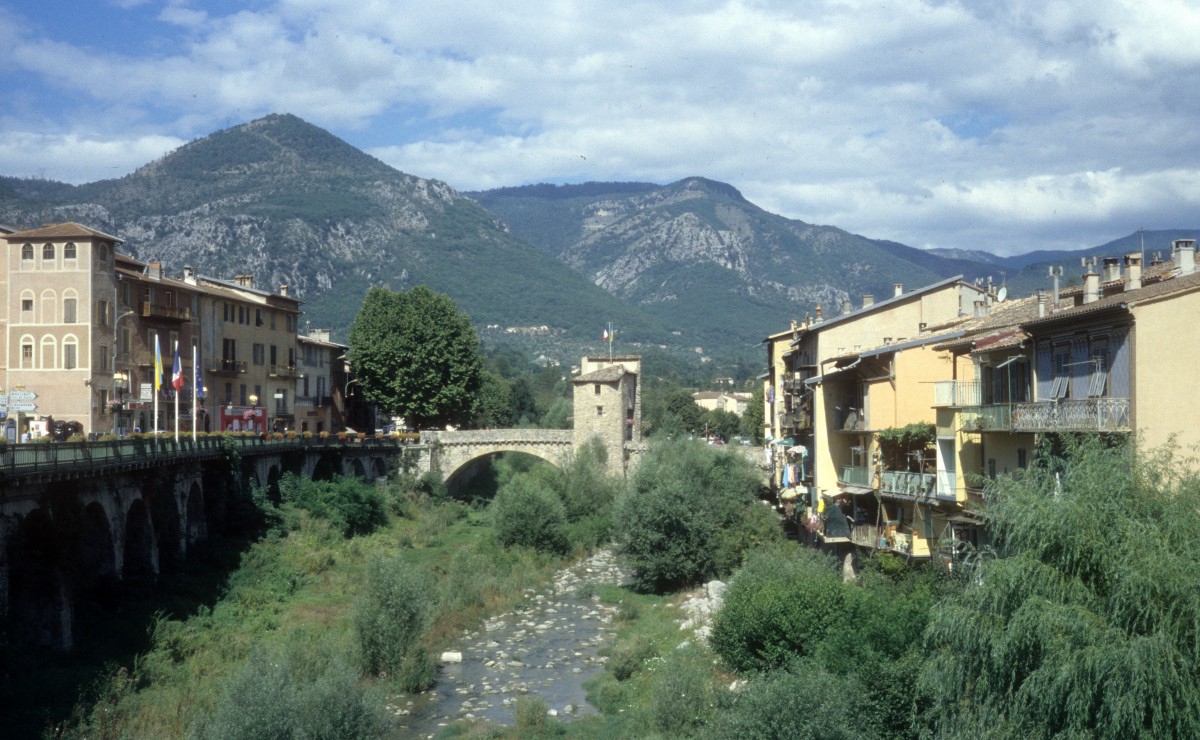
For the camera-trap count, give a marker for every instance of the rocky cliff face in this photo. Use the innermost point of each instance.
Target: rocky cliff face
(290, 203)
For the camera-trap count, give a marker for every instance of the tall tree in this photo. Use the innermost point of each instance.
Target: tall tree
(1088, 624)
(417, 356)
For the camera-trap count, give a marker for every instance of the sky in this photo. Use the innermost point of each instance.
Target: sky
(976, 124)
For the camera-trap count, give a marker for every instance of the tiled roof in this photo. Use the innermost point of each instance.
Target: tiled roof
(68, 230)
(1152, 291)
(609, 374)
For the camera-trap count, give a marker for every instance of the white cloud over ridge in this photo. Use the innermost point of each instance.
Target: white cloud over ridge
(1006, 127)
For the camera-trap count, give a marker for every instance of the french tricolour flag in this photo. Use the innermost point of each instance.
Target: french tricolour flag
(177, 371)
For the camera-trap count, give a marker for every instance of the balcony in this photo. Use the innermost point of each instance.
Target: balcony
(850, 420)
(853, 475)
(796, 420)
(956, 393)
(314, 401)
(227, 367)
(175, 313)
(1082, 415)
(995, 417)
(908, 485)
(285, 371)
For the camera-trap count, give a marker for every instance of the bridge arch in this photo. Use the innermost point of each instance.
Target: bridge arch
(139, 562)
(197, 519)
(39, 605)
(95, 551)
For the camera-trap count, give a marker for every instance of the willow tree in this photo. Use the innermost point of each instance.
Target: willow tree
(417, 356)
(1088, 624)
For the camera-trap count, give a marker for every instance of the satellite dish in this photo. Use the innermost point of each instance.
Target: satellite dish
(1001, 295)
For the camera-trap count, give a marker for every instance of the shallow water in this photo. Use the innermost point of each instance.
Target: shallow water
(547, 648)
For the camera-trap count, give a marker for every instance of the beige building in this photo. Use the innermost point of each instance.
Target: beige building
(734, 403)
(319, 399)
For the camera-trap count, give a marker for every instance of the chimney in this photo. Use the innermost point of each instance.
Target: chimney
(189, 275)
(1091, 286)
(321, 335)
(981, 309)
(1042, 301)
(818, 319)
(1133, 271)
(846, 307)
(1112, 270)
(154, 270)
(283, 289)
(868, 300)
(1185, 256)
(246, 281)
(897, 290)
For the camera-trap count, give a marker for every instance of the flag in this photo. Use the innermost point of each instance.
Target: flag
(158, 371)
(177, 372)
(197, 381)
(608, 334)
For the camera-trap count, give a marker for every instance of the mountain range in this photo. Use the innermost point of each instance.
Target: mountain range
(691, 263)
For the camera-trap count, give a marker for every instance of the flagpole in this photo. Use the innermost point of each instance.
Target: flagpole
(173, 368)
(195, 387)
(157, 386)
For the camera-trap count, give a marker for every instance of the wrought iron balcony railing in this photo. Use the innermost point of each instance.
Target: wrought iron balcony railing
(227, 367)
(285, 371)
(1072, 415)
(178, 313)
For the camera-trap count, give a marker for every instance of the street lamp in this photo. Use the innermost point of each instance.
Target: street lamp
(254, 416)
(118, 377)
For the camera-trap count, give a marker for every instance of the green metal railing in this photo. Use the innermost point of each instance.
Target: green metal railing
(36, 457)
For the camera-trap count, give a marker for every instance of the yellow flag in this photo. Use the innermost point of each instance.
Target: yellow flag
(157, 364)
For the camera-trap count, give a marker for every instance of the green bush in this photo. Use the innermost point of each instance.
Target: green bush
(779, 606)
(390, 618)
(803, 702)
(533, 718)
(676, 509)
(527, 513)
(628, 658)
(684, 692)
(351, 506)
(271, 697)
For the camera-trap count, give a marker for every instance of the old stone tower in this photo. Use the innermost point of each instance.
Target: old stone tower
(608, 406)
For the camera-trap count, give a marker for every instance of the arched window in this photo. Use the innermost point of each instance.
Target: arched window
(49, 312)
(47, 253)
(27, 316)
(49, 355)
(70, 352)
(27, 352)
(27, 253)
(69, 251)
(70, 303)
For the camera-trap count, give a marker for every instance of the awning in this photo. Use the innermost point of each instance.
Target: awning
(785, 441)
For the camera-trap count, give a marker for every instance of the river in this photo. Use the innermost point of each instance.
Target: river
(545, 648)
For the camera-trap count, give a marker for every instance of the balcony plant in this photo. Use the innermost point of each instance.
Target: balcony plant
(896, 444)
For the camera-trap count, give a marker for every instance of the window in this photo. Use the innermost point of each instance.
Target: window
(103, 312)
(104, 358)
(291, 357)
(242, 395)
(1062, 373)
(274, 355)
(258, 317)
(49, 308)
(125, 339)
(272, 321)
(596, 388)
(70, 355)
(229, 394)
(599, 411)
(991, 467)
(27, 352)
(47, 253)
(103, 252)
(69, 251)
(224, 311)
(291, 323)
(229, 349)
(27, 253)
(26, 307)
(68, 310)
(259, 352)
(281, 401)
(1022, 461)
(1098, 383)
(172, 343)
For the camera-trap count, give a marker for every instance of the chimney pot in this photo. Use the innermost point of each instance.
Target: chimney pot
(1185, 256)
(1091, 286)
(897, 290)
(846, 307)
(154, 270)
(981, 309)
(1042, 301)
(1133, 271)
(868, 300)
(1112, 269)
(246, 281)
(283, 289)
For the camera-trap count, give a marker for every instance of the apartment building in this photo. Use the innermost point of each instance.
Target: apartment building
(82, 321)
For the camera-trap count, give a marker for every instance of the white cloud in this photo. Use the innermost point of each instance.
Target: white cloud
(950, 123)
(77, 159)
